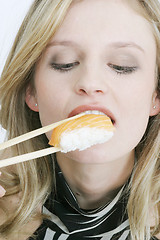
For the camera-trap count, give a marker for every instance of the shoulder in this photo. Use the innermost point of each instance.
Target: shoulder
(10, 203)
(28, 230)
(152, 222)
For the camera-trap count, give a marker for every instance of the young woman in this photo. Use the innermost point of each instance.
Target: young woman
(69, 57)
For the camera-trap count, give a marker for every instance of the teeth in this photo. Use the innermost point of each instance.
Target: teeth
(94, 112)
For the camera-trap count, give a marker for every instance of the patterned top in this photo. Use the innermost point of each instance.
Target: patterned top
(69, 221)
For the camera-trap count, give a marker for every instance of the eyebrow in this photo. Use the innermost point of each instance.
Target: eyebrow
(63, 43)
(127, 44)
(113, 45)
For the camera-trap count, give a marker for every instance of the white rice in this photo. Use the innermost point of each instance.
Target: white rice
(83, 138)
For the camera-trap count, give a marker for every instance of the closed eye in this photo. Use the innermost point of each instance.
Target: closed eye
(64, 67)
(122, 69)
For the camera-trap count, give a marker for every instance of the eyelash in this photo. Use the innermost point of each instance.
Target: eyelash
(69, 66)
(64, 67)
(122, 69)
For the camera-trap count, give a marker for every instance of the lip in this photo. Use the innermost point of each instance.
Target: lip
(84, 108)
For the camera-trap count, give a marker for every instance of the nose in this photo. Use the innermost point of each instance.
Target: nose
(91, 82)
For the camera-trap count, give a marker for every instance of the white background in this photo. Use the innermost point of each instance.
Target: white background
(12, 13)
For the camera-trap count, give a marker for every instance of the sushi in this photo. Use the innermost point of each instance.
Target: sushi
(82, 133)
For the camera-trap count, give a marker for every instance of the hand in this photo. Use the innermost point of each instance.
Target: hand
(2, 190)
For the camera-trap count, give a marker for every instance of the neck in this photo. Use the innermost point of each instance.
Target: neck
(95, 184)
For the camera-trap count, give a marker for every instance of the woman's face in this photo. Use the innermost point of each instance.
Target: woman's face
(103, 57)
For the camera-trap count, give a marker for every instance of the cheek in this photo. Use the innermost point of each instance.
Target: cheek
(136, 95)
(135, 101)
(50, 99)
(50, 108)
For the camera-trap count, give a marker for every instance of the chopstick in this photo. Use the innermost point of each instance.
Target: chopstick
(35, 133)
(28, 156)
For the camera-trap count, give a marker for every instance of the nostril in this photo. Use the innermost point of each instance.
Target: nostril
(99, 91)
(89, 91)
(82, 90)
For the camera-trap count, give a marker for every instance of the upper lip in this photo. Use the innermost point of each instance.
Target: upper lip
(84, 108)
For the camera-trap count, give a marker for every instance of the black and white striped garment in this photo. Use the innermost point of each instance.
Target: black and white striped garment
(69, 221)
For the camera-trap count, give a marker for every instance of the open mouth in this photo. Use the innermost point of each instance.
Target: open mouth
(96, 112)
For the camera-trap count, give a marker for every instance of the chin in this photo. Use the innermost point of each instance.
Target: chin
(94, 155)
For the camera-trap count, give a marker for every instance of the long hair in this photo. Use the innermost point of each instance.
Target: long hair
(145, 187)
(35, 179)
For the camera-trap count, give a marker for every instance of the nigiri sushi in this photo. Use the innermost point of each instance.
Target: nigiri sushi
(83, 132)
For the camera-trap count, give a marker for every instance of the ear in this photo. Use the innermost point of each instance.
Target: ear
(31, 100)
(155, 106)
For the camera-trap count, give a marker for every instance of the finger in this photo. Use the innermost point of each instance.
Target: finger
(2, 190)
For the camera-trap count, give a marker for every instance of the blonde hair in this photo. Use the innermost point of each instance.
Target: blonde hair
(35, 179)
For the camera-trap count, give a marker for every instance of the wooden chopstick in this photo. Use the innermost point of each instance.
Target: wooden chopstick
(35, 133)
(28, 156)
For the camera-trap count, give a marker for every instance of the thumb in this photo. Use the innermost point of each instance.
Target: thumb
(2, 190)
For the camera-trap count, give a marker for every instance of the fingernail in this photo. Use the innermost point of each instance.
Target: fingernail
(2, 191)
(0, 173)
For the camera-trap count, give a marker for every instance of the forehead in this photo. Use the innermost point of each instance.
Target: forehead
(105, 21)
